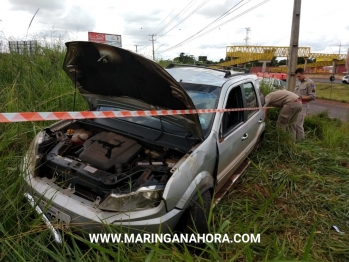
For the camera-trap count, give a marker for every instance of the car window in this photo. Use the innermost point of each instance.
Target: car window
(283, 84)
(203, 97)
(265, 81)
(232, 119)
(251, 98)
(276, 83)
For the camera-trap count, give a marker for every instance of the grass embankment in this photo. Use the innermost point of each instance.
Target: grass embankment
(292, 194)
(335, 92)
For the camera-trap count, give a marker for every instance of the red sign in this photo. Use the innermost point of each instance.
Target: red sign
(110, 39)
(96, 37)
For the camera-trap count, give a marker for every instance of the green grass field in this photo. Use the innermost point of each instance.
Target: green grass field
(292, 194)
(336, 92)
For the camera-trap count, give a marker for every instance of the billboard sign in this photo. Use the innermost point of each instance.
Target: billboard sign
(203, 58)
(109, 39)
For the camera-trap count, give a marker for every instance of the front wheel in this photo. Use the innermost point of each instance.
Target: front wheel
(194, 220)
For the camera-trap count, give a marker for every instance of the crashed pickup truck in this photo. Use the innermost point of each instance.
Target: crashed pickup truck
(142, 173)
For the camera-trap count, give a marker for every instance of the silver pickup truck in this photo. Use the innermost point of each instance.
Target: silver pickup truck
(142, 173)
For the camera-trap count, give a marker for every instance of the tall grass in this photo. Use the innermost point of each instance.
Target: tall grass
(292, 194)
(266, 88)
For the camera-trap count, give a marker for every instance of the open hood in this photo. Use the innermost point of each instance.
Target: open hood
(99, 69)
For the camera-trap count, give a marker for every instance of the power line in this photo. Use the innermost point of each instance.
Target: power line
(165, 18)
(228, 12)
(217, 19)
(183, 10)
(197, 36)
(143, 40)
(197, 8)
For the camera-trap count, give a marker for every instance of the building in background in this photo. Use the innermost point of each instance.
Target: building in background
(23, 47)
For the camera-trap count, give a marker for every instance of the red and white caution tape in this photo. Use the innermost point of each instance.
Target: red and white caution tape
(44, 116)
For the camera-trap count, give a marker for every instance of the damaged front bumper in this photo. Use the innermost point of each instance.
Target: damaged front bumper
(56, 235)
(86, 216)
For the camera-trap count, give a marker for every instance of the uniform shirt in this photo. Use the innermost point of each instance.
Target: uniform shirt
(280, 98)
(306, 88)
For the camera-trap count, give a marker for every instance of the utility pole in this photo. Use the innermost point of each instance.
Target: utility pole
(347, 61)
(293, 56)
(248, 30)
(136, 48)
(334, 69)
(152, 40)
(334, 63)
(340, 45)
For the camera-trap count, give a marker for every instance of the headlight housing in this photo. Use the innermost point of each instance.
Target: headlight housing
(143, 198)
(32, 156)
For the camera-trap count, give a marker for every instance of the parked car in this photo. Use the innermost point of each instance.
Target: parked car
(142, 173)
(273, 83)
(281, 76)
(345, 79)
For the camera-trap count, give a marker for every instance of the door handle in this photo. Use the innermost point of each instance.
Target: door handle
(260, 121)
(245, 136)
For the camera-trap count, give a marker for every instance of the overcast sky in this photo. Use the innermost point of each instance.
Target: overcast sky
(197, 25)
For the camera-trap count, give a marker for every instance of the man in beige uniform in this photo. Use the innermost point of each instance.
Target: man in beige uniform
(291, 106)
(305, 89)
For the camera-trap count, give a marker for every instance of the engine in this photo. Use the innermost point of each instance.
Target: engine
(98, 162)
(108, 149)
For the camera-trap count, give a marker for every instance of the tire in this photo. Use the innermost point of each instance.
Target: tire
(194, 220)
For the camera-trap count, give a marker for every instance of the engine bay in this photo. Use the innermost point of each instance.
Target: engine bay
(96, 162)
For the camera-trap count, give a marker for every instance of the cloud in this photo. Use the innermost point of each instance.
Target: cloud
(217, 8)
(76, 19)
(54, 15)
(219, 46)
(32, 5)
(322, 27)
(140, 19)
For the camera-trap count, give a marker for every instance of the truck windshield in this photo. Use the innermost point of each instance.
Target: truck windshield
(203, 97)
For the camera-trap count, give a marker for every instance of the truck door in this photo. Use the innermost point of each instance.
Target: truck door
(233, 136)
(254, 118)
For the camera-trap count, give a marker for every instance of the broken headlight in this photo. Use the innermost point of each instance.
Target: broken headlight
(143, 198)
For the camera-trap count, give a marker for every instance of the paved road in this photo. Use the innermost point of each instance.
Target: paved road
(326, 80)
(335, 109)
